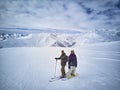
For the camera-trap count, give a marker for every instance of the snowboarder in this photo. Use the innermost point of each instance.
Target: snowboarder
(72, 64)
(63, 58)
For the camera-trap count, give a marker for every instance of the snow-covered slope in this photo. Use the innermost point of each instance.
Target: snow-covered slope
(31, 68)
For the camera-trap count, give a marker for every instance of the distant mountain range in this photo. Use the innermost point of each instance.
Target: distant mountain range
(37, 38)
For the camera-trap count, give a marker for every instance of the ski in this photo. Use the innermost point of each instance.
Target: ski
(54, 79)
(65, 78)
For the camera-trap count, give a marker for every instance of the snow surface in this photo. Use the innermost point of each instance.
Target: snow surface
(31, 68)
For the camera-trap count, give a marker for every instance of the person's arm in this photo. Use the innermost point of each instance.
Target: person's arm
(69, 62)
(58, 58)
(75, 61)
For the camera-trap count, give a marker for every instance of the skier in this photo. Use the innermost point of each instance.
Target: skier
(63, 58)
(72, 64)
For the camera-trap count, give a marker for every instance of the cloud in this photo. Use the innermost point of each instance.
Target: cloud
(69, 14)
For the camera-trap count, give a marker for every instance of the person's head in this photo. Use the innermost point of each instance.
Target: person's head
(72, 52)
(62, 52)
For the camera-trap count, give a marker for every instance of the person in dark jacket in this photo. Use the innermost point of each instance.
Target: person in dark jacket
(72, 64)
(63, 58)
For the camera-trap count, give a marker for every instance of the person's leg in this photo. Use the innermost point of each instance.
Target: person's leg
(63, 71)
(69, 72)
(73, 71)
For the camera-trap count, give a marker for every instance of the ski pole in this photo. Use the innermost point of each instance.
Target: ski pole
(55, 68)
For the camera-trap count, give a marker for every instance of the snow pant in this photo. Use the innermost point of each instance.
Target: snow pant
(63, 70)
(71, 71)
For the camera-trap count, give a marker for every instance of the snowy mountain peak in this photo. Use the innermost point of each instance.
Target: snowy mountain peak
(39, 39)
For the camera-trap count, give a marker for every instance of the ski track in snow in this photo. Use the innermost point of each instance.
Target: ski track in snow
(32, 68)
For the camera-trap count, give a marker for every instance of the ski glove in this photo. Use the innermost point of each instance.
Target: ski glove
(56, 58)
(69, 66)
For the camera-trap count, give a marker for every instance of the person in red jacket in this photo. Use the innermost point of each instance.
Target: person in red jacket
(72, 64)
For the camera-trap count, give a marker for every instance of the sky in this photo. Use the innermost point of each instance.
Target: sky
(60, 14)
